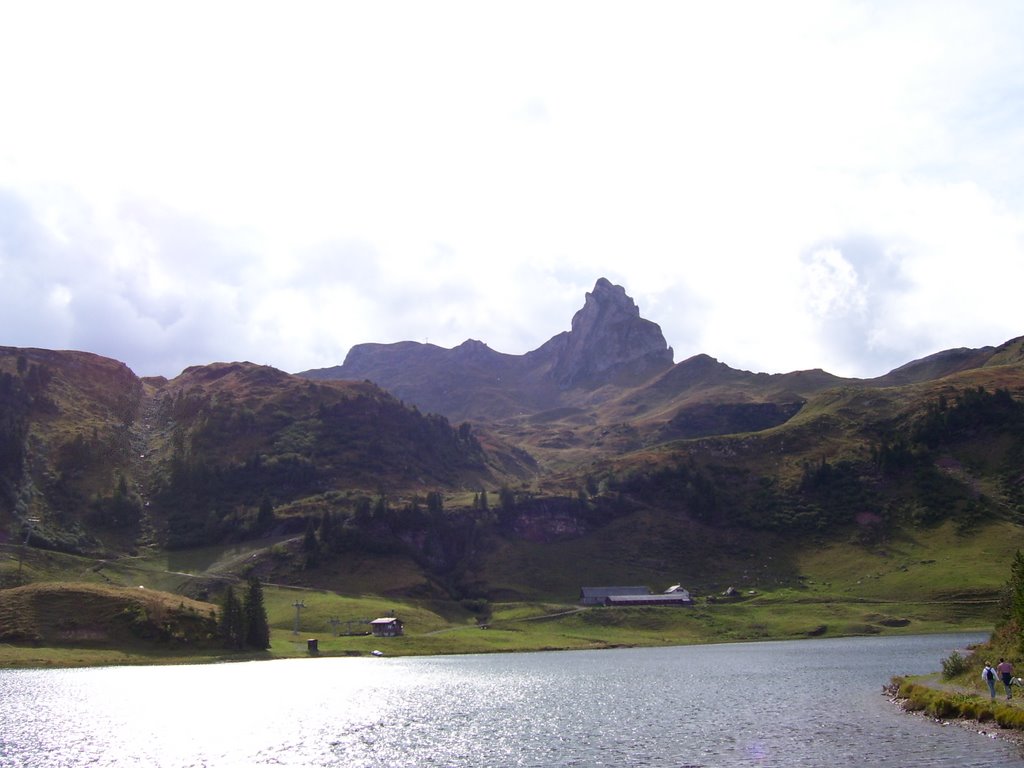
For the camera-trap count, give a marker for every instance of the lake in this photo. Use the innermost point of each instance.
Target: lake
(803, 703)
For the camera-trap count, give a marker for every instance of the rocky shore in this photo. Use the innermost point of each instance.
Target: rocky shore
(982, 722)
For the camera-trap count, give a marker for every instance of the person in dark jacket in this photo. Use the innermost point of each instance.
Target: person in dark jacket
(1005, 670)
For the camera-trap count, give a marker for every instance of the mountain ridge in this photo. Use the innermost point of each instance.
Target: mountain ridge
(469, 456)
(611, 357)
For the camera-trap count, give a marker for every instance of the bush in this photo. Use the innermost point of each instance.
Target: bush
(942, 708)
(916, 696)
(478, 605)
(971, 709)
(954, 665)
(1009, 717)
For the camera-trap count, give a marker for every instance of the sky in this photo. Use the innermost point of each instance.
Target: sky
(782, 186)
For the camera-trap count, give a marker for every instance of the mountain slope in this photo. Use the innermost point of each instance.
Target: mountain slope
(594, 447)
(96, 458)
(609, 385)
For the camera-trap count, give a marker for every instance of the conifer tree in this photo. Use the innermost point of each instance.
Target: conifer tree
(265, 516)
(1015, 587)
(309, 542)
(257, 629)
(232, 621)
(435, 503)
(507, 503)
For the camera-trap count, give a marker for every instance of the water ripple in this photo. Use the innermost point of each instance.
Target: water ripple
(810, 703)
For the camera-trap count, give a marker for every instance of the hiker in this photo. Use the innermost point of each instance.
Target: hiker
(1005, 670)
(989, 676)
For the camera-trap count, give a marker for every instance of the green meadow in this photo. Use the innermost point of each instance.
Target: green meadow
(934, 581)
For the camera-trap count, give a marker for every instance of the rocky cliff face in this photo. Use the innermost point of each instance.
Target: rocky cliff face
(609, 342)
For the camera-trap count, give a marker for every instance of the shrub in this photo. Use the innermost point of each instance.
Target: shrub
(917, 697)
(907, 689)
(954, 665)
(970, 708)
(478, 605)
(1009, 717)
(942, 707)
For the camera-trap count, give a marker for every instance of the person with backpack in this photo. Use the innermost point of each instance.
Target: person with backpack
(989, 676)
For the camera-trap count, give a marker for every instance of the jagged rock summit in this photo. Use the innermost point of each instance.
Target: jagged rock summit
(614, 366)
(608, 341)
(609, 344)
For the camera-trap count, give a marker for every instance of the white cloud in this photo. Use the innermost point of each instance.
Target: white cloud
(832, 285)
(782, 186)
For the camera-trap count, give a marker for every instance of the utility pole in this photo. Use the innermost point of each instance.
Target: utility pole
(298, 605)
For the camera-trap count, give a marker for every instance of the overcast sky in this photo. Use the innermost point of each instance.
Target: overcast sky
(780, 185)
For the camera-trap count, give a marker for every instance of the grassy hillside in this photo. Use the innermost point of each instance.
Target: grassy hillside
(240, 433)
(919, 584)
(71, 613)
(101, 461)
(867, 508)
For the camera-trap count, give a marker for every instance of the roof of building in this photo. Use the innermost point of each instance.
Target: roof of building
(607, 591)
(384, 620)
(648, 599)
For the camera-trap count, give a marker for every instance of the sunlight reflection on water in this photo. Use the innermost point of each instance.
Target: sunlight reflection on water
(809, 703)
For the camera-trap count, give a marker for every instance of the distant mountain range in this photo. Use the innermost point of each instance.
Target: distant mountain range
(609, 345)
(453, 458)
(618, 363)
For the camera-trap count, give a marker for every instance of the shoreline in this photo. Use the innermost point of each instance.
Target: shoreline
(989, 729)
(18, 656)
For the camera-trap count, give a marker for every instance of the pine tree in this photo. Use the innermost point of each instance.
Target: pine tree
(232, 621)
(435, 503)
(257, 629)
(309, 542)
(1016, 590)
(311, 545)
(265, 516)
(507, 504)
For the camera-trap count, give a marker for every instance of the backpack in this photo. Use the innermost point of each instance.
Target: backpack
(989, 674)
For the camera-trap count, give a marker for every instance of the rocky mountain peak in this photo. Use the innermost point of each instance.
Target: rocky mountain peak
(473, 350)
(608, 303)
(609, 339)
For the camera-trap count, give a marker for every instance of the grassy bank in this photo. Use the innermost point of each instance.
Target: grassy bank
(433, 628)
(944, 702)
(938, 580)
(958, 692)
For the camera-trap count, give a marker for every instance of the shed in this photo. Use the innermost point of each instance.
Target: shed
(598, 595)
(387, 626)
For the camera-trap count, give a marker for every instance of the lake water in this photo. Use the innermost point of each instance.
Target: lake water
(805, 703)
